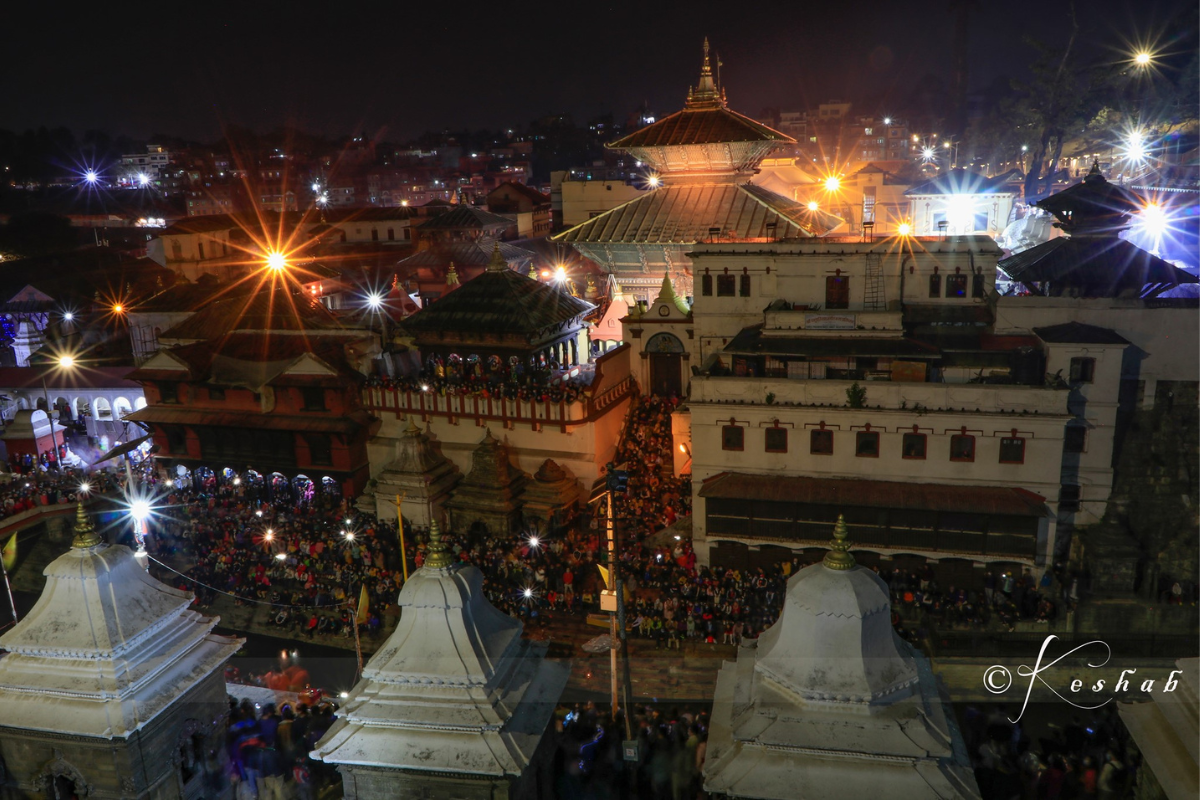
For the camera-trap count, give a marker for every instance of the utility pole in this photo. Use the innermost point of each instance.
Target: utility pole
(617, 482)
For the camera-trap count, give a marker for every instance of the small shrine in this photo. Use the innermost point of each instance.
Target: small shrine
(421, 476)
(455, 704)
(831, 702)
(490, 495)
(550, 499)
(1092, 260)
(111, 686)
(500, 321)
(32, 433)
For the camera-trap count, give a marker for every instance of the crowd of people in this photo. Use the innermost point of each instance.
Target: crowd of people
(489, 378)
(1091, 758)
(268, 750)
(589, 761)
(309, 560)
(50, 488)
(1006, 597)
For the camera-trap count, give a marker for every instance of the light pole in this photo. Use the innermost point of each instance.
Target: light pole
(65, 362)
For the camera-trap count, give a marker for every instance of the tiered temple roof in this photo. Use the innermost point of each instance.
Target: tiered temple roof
(705, 136)
(500, 302)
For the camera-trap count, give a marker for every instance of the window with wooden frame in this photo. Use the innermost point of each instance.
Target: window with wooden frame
(733, 437)
(866, 444)
(935, 285)
(913, 446)
(706, 285)
(1083, 370)
(962, 447)
(837, 291)
(820, 442)
(320, 449)
(1012, 450)
(776, 440)
(743, 285)
(956, 286)
(726, 285)
(1075, 439)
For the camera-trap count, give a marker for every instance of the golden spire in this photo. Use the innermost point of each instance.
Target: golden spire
(412, 426)
(438, 555)
(839, 556)
(85, 531)
(452, 276)
(497, 264)
(706, 94)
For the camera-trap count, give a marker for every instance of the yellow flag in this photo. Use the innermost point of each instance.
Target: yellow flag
(604, 575)
(364, 607)
(10, 552)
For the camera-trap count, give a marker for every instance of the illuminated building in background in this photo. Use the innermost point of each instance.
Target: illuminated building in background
(703, 158)
(960, 203)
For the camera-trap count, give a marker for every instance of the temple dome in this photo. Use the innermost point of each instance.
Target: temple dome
(106, 645)
(834, 641)
(455, 689)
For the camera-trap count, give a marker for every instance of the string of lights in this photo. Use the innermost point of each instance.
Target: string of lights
(346, 602)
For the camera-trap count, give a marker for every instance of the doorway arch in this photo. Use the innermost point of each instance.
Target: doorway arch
(666, 364)
(121, 407)
(102, 409)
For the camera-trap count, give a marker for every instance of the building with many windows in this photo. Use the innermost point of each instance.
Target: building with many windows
(866, 378)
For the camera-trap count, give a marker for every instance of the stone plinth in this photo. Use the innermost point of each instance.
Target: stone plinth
(490, 494)
(552, 496)
(420, 475)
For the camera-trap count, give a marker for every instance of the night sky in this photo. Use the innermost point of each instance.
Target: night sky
(396, 69)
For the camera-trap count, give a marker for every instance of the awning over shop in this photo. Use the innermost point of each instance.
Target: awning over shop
(857, 492)
(121, 450)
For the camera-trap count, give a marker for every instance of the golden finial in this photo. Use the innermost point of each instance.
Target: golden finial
(412, 426)
(85, 531)
(839, 556)
(452, 276)
(497, 263)
(438, 555)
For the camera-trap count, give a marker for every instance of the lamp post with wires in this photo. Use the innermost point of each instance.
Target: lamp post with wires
(64, 362)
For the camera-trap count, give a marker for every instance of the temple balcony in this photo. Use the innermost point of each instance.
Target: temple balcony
(892, 395)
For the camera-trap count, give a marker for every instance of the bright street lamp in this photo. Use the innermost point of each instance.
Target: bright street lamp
(276, 261)
(1142, 59)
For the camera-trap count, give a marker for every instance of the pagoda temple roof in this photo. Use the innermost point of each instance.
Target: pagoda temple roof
(463, 216)
(267, 310)
(687, 213)
(1093, 266)
(254, 360)
(1092, 203)
(701, 126)
(464, 254)
(499, 301)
